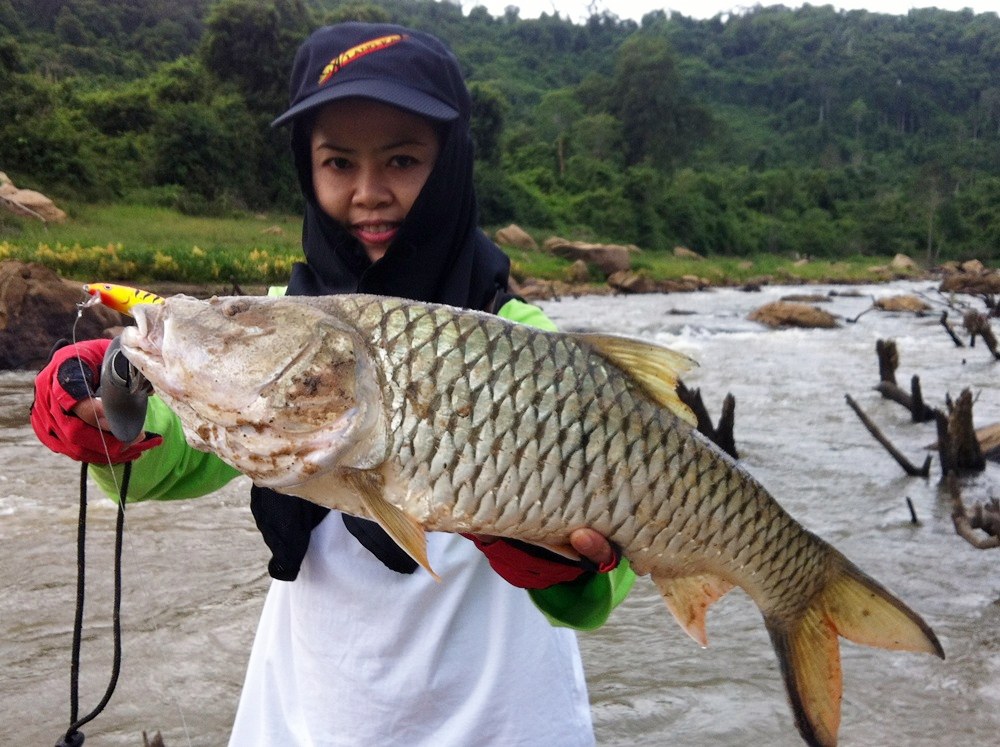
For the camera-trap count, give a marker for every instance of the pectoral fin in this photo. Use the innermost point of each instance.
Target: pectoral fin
(404, 529)
(688, 599)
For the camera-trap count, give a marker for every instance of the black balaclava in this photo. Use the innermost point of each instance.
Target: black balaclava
(439, 254)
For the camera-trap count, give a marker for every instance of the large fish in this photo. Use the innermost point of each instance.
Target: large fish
(427, 417)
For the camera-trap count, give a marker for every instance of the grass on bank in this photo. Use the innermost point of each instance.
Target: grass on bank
(140, 244)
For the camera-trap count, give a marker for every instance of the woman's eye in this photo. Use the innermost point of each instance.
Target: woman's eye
(403, 161)
(339, 163)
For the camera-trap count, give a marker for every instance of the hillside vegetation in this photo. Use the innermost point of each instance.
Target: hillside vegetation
(815, 132)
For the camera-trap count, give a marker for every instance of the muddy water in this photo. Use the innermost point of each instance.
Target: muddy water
(194, 580)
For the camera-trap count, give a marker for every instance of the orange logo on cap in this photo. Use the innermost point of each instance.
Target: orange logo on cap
(357, 52)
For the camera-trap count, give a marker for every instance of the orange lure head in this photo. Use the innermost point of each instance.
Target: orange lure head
(121, 298)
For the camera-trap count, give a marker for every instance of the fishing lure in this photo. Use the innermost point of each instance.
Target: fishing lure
(121, 298)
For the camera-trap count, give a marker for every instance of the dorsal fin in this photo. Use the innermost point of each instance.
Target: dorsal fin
(655, 368)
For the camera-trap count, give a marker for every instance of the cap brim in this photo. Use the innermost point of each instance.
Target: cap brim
(387, 92)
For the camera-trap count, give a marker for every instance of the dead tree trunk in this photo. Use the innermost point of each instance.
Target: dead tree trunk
(888, 360)
(721, 435)
(958, 447)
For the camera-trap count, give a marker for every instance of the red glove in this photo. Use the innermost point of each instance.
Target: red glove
(73, 374)
(532, 567)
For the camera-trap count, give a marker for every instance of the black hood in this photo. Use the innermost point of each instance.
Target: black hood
(439, 254)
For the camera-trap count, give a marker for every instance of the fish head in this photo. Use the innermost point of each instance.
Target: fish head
(279, 388)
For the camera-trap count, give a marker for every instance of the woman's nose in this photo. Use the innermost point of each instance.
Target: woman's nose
(371, 189)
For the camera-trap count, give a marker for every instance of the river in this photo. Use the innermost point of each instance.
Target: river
(194, 575)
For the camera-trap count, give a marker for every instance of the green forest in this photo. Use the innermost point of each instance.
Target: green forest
(811, 132)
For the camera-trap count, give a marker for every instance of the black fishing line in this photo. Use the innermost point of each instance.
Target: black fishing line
(73, 736)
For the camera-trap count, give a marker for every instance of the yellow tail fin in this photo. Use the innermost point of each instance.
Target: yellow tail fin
(858, 608)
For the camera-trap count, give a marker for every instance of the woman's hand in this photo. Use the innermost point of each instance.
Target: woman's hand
(66, 414)
(594, 546)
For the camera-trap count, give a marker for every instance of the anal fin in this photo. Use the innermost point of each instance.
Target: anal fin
(689, 597)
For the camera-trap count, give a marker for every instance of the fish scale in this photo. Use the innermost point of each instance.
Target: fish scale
(426, 417)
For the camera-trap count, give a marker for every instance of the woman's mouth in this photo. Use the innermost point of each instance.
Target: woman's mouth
(375, 233)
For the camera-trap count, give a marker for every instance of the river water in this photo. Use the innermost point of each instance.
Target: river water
(194, 570)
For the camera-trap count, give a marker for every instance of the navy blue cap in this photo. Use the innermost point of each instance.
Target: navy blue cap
(383, 62)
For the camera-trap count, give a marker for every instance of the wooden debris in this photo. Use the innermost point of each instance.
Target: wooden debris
(954, 337)
(976, 323)
(989, 441)
(721, 435)
(984, 517)
(958, 447)
(888, 360)
(901, 460)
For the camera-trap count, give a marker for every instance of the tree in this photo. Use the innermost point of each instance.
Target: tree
(659, 123)
(554, 116)
(489, 107)
(251, 44)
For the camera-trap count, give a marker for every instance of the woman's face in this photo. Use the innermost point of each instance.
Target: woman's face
(369, 163)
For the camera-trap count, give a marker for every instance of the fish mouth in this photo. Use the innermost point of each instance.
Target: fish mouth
(142, 343)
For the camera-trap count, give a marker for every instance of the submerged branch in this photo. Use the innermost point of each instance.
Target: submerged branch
(984, 517)
(901, 460)
(951, 332)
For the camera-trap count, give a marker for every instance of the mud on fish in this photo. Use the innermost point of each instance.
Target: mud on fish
(430, 418)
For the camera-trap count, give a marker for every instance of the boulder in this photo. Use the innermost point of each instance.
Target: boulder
(38, 308)
(790, 314)
(806, 298)
(627, 281)
(28, 202)
(684, 253)
(970, 277)
(902, 303)
(514, 235)
(902, 263)
(608, 258)
(578, 272)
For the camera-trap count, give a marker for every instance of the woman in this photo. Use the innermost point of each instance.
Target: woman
(353, 646)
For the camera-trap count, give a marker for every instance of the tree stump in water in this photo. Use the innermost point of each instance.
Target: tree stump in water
(958, 446)
(888, 360)
(721, 435)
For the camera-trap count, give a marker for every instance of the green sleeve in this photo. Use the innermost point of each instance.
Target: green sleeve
(586, 603)
(169, 471)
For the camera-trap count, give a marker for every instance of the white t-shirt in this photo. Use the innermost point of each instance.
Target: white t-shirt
(352, 653)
